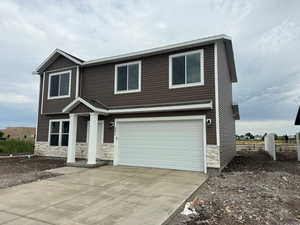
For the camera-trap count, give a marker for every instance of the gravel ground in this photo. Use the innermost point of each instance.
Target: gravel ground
(14, 171)
(252, 190)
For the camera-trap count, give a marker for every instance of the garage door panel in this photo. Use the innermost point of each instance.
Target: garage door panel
(174, 144)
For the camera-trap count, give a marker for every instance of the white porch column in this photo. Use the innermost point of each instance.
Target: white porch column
(93, 134)
(72, 138)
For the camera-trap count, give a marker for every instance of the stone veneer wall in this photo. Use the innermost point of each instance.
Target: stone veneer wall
(105, 151)
(213, 156)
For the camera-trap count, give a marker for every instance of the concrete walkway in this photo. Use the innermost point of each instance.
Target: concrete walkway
(104, 196)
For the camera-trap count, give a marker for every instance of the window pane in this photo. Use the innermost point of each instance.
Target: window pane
(65, 127)
(54, 139)
(122, 78)
(193, 68)
(178, 70)
(64, 139)
(54, 127)
(64, 84)
(133, 77)
(54, 85)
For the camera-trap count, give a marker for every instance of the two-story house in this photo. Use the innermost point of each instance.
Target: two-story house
(167, 107)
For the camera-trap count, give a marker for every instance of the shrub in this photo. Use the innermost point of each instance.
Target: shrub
(15, 146)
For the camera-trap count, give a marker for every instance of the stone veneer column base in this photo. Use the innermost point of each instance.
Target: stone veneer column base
(105, 151)
(213, 156)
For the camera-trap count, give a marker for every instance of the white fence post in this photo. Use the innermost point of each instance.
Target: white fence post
(270, 145)
(298, 145)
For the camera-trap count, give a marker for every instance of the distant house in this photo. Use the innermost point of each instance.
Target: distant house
(258, 137)
(297, 121)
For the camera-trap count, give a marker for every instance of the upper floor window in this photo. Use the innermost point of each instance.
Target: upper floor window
(186, 69)
(59, 132)
(128, 77)
(59, 85)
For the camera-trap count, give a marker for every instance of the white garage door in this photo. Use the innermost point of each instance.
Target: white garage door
(173, 144)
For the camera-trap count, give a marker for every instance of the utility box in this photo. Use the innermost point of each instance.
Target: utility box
(270, 145)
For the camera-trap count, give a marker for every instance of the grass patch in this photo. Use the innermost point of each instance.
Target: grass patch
(15, 146)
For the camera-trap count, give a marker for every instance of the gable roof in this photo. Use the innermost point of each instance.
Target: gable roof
(53, 56)
(149, 52)
(297, 121)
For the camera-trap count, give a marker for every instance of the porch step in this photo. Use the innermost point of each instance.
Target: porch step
(83, 164)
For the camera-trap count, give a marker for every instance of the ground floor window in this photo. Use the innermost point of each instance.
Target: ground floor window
(58, 132)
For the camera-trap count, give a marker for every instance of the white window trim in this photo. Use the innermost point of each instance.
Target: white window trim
(201, 83)
(60, 131)
(101, 122)
(116, 76)
(49, 84)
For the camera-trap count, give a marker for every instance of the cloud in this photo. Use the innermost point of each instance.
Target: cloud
(15, 99)
(266, 40)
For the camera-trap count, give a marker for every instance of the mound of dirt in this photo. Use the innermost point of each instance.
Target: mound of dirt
(253, 189)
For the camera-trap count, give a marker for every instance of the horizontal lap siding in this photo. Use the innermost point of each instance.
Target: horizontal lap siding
(81, 109)
(56, 105)
(98, 83)
(227, 122)
(43, 127)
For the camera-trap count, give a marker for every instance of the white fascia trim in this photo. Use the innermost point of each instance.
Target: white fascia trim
(42, 95)
(116, 77)
(164, 118)
(138, 110)
(198, 117)
(51, 55)
(49, 84)
(201, 83)
(217, 94)
(80, 100)
(161, 108)
(77, 82)
(153, 50)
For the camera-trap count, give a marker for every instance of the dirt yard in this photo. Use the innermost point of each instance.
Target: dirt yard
(251, 190)
(14, 171)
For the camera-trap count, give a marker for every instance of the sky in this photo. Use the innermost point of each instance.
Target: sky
(265, 35)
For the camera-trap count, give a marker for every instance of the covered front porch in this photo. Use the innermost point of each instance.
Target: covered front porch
(92, 113)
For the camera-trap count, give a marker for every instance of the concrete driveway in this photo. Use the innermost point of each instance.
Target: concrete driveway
(103, 196)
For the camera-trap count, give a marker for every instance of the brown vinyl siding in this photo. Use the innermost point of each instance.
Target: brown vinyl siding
(43, 127)
(59, 63)
(97, 82)
(81, 109)
(227, 122)
(56, 105)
